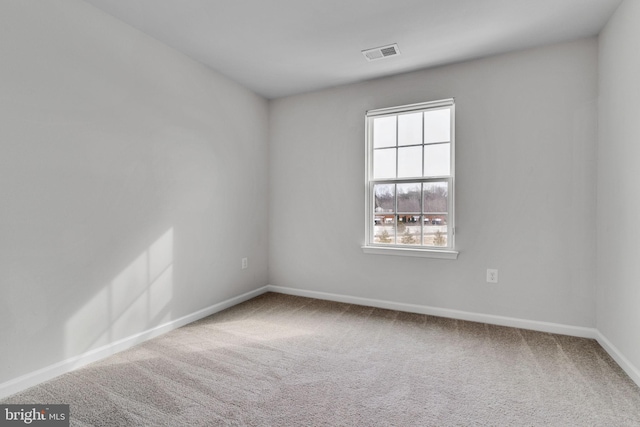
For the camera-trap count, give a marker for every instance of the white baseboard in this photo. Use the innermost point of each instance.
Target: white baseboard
(625, 364)
(31, 379)
(554, 328)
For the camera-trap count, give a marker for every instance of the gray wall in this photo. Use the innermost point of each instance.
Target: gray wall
(618, 314)
(526, 158)
(132, 181)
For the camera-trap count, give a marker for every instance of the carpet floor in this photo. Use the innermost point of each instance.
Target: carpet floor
(280, 360)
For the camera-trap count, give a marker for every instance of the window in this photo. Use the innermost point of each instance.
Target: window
(410, 180)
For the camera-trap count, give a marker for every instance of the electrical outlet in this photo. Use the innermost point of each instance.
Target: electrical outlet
(245, 263)
(492, 275)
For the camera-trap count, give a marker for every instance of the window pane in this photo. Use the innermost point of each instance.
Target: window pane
(385, 200)
(384, 163)
(410, 162)
(409, 198)
(437, 159)
(437, 126)
(409, 229)
(435, 196)
(384, 132)
(410, 129)
(384, 229)
(435, 230)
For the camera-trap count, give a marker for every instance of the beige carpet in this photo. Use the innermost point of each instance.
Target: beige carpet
(280, 360)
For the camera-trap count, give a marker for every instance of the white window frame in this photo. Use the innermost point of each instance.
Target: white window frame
(370, 246)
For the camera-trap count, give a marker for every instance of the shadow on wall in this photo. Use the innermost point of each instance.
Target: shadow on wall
(134, 300)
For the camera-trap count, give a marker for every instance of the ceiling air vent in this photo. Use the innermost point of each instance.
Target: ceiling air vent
(381, 52)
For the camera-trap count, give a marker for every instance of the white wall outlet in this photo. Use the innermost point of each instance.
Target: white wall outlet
(245, 263)
(492, 275)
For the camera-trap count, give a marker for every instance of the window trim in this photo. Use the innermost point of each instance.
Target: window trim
(369, 247)
(412, 252)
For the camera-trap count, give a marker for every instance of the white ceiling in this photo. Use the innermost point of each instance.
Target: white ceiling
(284, 47)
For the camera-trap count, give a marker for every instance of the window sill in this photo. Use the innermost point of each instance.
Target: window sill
(422, 253)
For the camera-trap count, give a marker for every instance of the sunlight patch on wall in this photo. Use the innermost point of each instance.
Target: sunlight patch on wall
(89, 326)
(135, 300)
(128, 298)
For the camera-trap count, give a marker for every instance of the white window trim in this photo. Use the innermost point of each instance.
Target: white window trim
(400, 250)
(405, 251)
